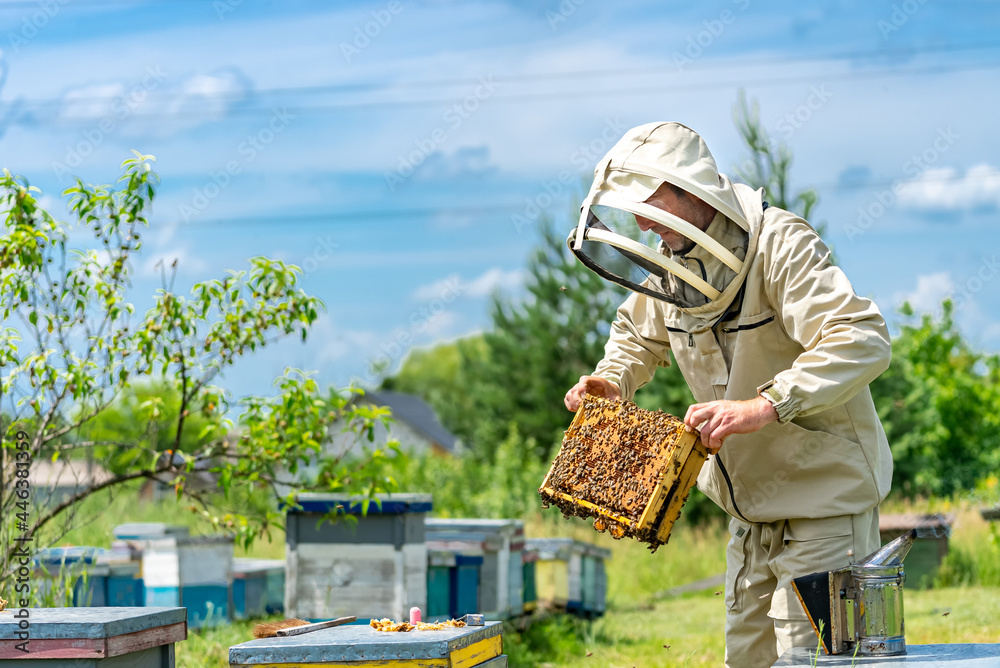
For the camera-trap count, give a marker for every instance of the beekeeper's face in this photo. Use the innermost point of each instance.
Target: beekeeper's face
(681, 204)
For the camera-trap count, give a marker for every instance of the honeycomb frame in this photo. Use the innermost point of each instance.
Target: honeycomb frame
(629, 468)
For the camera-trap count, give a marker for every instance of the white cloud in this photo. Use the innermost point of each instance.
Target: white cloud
(453, 286)
(491, 280)
(441, 324)
(944, 190)
(91, 101)
(931, 290)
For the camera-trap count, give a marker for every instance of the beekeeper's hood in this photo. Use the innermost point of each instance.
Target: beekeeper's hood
(703, 281)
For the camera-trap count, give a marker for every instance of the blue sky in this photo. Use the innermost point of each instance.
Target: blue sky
(400, 152)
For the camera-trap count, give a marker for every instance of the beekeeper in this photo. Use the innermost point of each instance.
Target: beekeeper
(777, 349)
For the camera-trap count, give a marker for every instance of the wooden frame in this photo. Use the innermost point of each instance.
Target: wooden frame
(676, 467)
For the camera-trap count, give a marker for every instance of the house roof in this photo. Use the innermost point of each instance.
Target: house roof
(416, 413)
(66, 472)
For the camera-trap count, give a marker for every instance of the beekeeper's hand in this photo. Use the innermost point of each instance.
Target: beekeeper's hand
(599, 387)
(719, 419)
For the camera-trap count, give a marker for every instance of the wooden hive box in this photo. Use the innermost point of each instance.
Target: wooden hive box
(929, 549)
(569, 575)
(92, 637)
(373, 568)
(629, 468)
(501, 575)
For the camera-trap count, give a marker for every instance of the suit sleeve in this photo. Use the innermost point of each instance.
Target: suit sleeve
(638, 344)
(845, 339)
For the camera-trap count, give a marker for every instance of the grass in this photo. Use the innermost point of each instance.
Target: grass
(642, 627)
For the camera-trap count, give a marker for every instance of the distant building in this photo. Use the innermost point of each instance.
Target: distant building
(53, 482)
(415, 426)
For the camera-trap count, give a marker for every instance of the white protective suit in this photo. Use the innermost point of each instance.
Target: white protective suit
(784, 322)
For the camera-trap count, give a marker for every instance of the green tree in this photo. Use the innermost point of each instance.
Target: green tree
(73, 348)
(939, 402)
(140, 420)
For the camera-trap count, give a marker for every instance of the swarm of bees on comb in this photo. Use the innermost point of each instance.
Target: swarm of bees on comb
(629, 468)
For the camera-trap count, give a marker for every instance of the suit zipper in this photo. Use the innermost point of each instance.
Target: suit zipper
(678, 330)
(743, 328)
(729, 483)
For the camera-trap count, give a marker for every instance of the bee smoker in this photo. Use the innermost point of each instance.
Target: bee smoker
(860, 608)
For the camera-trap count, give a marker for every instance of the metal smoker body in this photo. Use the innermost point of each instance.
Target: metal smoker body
(860, 606)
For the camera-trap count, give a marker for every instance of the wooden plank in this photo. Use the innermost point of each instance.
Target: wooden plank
(477, 653)
(140, 640)
(55, 648)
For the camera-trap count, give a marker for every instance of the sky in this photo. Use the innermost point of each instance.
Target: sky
(402, 153)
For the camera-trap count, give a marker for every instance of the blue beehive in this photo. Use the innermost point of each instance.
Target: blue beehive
(372, 568)
(124, 586)
(249, 588)
(499, 544)
(86, 578)
(275, 585)
(439, 568)
(181, 570)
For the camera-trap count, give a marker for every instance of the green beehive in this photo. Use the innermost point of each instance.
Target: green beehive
(928, 549)
(439, 567)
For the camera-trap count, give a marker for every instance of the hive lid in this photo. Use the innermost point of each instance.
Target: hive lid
(362, 644)
(246, 565)
(392, 504)
(55, 556)
(477, 524)
(143, 530)
(55, 623)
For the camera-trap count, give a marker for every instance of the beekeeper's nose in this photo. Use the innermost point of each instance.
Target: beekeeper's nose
(645, 224)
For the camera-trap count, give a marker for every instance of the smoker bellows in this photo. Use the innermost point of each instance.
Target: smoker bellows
(629, 468)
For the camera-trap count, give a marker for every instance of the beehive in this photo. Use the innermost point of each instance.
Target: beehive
(499, 544)
(362, 646)
(92, 637)
(567, 575)
(629, 468)
(373, 567)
